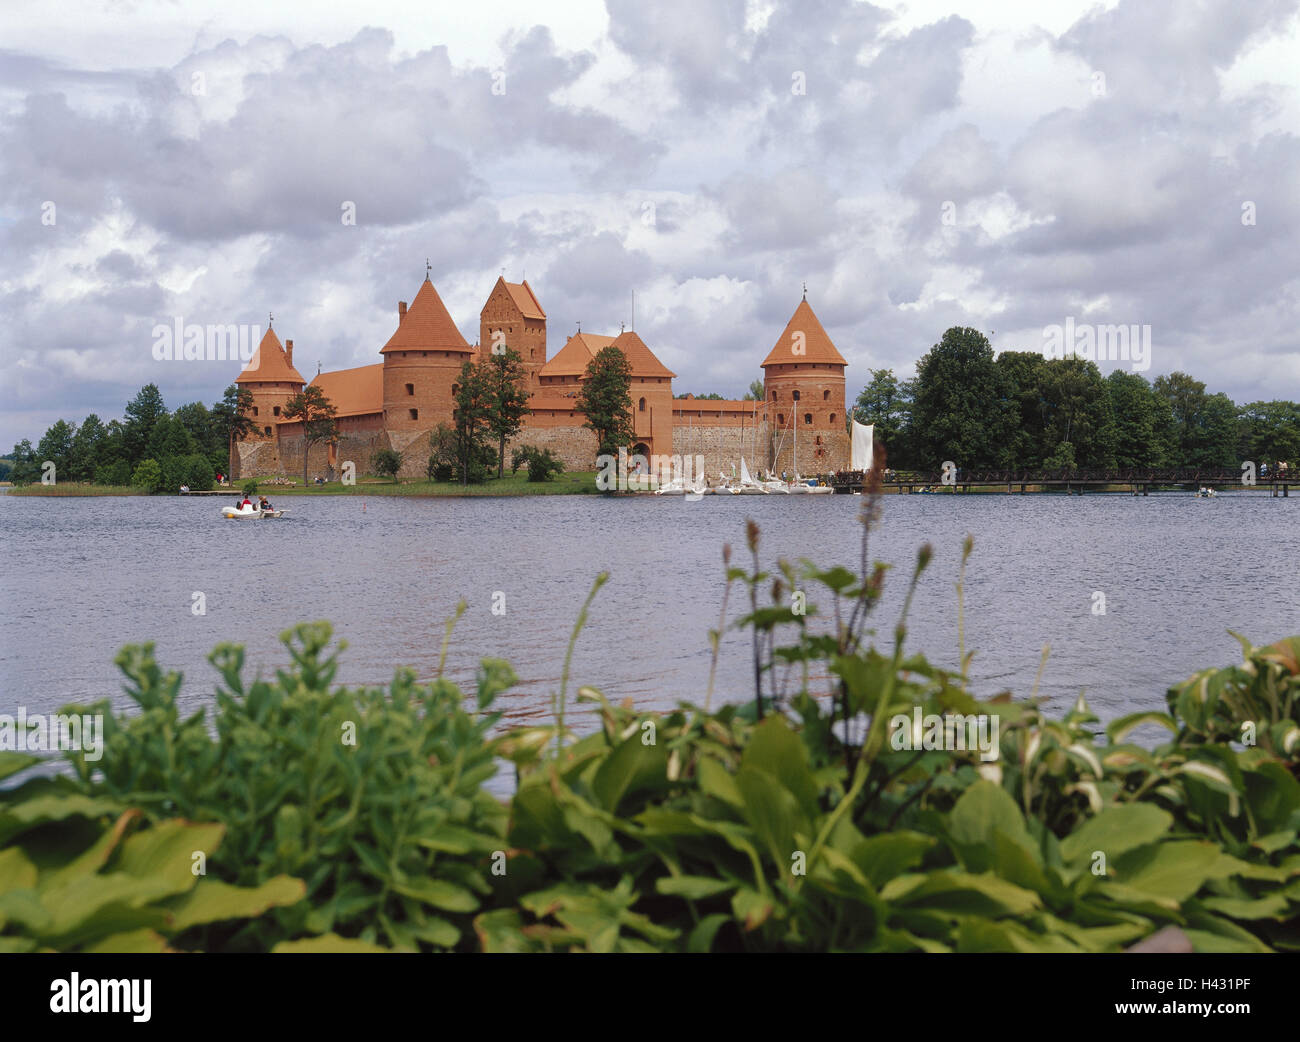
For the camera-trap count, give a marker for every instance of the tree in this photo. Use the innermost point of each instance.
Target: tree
(886, 402)
(1134, 406)
(442, 454)
(232, 420)
(1269, 432)
(25, 467)
(960, 411)
(1022, 373)
(142, 413)
(1204, 426)
(507, 399)
(541, 463)
(314, 411)
(1077, 411)
(148, 475)
(56, 447)
(386, 463)
(474, 395)
(198, 422)
(756, 391)
(606, 400)
(87, 443)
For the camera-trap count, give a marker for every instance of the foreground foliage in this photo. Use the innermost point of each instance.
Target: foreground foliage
(805, 820)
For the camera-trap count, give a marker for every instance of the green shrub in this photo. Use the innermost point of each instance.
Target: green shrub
(148, 476)
(116, 473)
(372, 797)
(386, 463)
(542, 464)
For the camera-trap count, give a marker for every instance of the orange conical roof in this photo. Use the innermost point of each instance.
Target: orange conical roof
(427, 326)
(576, 354)
(639, 357)
(269, 364)
(817, 346)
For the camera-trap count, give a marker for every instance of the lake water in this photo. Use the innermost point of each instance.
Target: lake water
(81, 577)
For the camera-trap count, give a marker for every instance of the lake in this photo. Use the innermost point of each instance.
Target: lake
(83, 576)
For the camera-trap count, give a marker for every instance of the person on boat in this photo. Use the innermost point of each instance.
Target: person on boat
(247, 504)
(264, 503)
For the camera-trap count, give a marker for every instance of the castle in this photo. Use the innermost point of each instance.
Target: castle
(394, 404)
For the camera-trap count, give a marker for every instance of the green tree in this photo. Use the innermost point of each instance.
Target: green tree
(87, 443)
(606, 400)
(474, 396)
(756, 392)
(1077, 410)
(960, 411)
(1204, 425)
(541, 463)
(1269, 432)
(1137, 412)
(443, 455)
(886, 402)
(317, 414)
(232, 421)
(386, 463)
(26, 469)
(148, 475)
(142, 414)
(507, 399)
(1022, 372)
(56, 447)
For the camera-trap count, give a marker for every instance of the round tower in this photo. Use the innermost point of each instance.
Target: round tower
(804, 402)
(422, 362)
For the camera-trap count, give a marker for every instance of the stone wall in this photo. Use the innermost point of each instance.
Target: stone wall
(575, 446)
(722, 446)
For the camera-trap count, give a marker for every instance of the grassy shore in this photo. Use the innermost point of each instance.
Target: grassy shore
(574, 483)
(74, 488)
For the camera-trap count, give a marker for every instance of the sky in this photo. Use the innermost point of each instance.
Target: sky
(685, 167)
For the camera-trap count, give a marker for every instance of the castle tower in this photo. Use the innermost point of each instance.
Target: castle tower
(273, 380)
(803, 380)
(652, 396)
(513, 310)
(422, 362)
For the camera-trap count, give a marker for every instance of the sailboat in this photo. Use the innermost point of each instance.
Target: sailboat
(748, 486)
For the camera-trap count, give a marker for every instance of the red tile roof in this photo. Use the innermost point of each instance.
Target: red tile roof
(640, 357)
(354, 392)
(427, 326)
(578, 351)
(817, 345)
(525, 299)
(269, 364)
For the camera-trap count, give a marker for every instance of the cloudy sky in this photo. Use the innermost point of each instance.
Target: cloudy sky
(921, 165)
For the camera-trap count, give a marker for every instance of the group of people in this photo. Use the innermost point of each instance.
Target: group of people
(247, 504)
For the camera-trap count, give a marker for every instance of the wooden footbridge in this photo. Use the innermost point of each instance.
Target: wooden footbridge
(1139, 481)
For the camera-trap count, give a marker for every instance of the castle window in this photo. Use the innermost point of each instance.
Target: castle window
(254, 410)
(780, 418)
(831, 418)
(277, 410)
(807, 417)
(415, 414)
(424, 354)
(826, 396)
(642, 405)
(268, 431)
(455, 390)
(410, 389)
(795, 395)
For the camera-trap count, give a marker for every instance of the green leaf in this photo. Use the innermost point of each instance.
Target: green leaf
(1167, 871)
(694, 888)
(130, 942)
(41, 810)
(1115, 831)
(213, 901)
(777, 751)
(701, 938)
(1118, 729)
(13, 762)
(440, 894)
(631, 767)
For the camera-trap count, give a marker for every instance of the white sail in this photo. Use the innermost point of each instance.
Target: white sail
(863, 450)
(745, 479)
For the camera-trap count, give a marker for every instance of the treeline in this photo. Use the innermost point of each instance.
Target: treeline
(150, 447)
(1021, 410)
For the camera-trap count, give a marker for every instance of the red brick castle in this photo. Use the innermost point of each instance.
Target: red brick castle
(395, 403)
